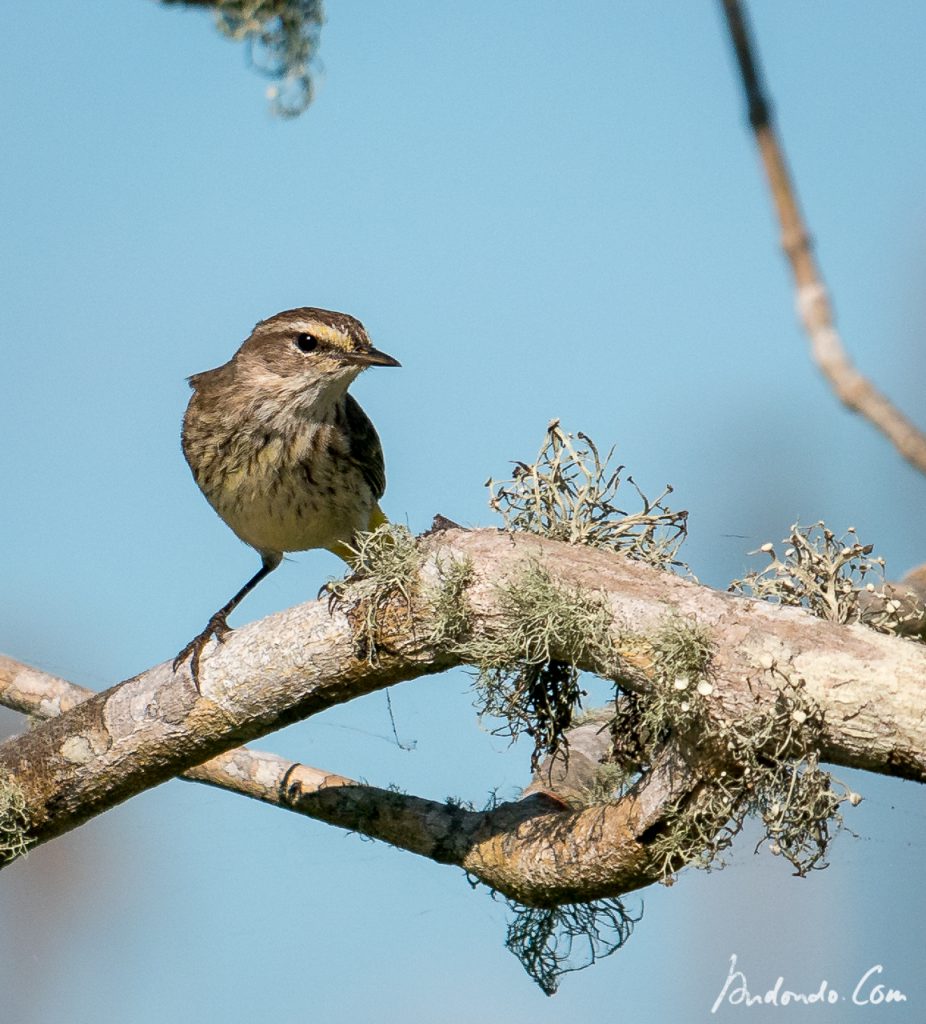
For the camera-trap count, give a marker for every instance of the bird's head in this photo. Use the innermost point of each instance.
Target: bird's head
(308, 351)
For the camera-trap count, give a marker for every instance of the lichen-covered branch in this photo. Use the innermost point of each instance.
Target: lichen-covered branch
(869, 686)
(813, 304)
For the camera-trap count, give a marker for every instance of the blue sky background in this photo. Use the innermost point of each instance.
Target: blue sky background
(542, 210)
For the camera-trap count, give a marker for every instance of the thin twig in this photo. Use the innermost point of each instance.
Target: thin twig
(813, 303)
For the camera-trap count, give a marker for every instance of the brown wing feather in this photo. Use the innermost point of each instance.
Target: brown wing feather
(366, 452)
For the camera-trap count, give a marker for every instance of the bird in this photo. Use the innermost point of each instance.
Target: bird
(280, 449)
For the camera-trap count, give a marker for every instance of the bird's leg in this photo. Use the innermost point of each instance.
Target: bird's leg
(218, 625)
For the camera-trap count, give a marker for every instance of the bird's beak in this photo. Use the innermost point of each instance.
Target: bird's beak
(370, 357)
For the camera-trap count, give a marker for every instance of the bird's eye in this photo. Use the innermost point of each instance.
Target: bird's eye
(306, 342)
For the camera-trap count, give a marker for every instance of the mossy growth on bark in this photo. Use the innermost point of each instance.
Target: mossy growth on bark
(384, 564)
(767, 767)
(451, 614)
(528, 673)
(834, 578)
(764, 764)
(14, 822)
(570, 493)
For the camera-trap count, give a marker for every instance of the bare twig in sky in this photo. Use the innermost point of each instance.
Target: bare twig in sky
(813, 304)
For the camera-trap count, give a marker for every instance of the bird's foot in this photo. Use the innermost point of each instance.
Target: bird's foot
(335, 592)
(216, 627)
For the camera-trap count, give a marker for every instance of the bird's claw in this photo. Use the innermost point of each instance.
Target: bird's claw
(334, 591)
(216, 627)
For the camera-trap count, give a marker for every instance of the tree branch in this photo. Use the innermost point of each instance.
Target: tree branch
(290, 665)
(507, 847)
(813, 304)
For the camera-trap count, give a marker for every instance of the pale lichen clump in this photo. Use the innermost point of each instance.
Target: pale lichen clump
(528, 665)
(764, 764)
(681, 654)
(569, 493)
(772, 773)
(451, 615)
(528, 670)
(664, 698)
(385, 563)
(834, 578)
(14, 821)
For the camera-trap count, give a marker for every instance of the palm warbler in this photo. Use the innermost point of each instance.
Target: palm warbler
(280, 449)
